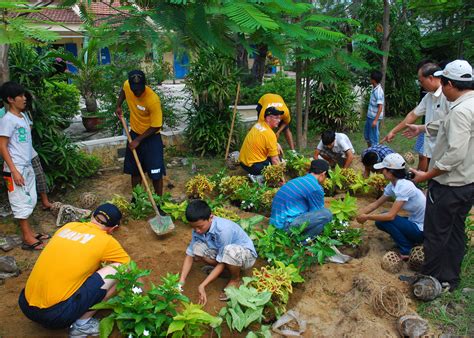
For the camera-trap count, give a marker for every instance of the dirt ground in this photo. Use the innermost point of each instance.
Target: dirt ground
(327, 300)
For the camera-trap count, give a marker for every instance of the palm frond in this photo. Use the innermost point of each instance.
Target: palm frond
(326, 34)
(248, 16)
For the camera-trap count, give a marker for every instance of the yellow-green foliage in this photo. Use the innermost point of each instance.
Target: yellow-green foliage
(230, 184)
(121, 202)
(377, 182)
(274, 174)
(226, 213)
(199, 187)
(267, 198)
(349, 176)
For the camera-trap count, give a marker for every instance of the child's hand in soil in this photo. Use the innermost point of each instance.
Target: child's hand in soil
(202, 295)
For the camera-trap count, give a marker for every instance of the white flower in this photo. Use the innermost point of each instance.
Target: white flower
(146, 333)
(243, 202)
(137, 290)
(130, 336)
(308, 240)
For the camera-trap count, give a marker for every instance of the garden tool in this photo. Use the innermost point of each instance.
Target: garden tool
(160, 224)
(233, 121)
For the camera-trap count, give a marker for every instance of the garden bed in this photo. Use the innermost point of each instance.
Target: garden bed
(327, 299)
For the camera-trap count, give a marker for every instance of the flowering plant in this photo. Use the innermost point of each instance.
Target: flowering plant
(140, 313)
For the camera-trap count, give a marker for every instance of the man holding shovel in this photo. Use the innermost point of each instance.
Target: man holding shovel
(146, 120)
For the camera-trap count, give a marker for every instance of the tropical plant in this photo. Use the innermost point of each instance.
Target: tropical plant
(333, 106)
(266, 199)
(176, 210)
(192, 321)
(360, 184)
(297, 164)
(244, 307)
(230, 184)
(280, 84)
(225, 212)
(278, 280)
(344, 209)
(342, 232)
(377, 183)
(139, 313)
(274, 175)
(199, 187)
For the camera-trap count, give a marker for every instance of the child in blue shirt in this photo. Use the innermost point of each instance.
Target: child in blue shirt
(375, 110)
(218, 242)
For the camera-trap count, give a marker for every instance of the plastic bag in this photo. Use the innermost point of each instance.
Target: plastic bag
(282, 327)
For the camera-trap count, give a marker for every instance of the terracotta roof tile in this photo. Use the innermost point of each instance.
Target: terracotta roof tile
(57, 15)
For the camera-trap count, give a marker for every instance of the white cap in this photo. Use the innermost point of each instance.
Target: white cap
(391, 161)
(458, 70)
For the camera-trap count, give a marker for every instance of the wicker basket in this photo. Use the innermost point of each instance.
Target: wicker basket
(389, 300)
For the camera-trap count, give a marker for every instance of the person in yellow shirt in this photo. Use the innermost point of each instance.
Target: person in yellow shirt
(146, 121)
(275, 100)
(260, 147)
(67, 278)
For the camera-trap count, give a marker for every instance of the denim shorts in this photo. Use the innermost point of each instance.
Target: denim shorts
(63, 314)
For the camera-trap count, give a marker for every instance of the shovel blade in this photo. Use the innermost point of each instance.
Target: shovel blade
(161, 225)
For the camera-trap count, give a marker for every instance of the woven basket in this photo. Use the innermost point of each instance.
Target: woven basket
(389, 300)
(417, 257)
(391, 262)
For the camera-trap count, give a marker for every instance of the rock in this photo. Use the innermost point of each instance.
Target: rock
(8, 267)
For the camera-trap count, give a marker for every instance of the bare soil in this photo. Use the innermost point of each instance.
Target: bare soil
(327, 300)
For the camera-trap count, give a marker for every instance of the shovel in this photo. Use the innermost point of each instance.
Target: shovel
(161, 225)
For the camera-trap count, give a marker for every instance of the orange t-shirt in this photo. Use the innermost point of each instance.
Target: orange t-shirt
(73, 254)
(145, 110)
(274, 100)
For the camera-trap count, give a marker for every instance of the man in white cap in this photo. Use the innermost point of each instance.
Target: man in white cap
(451, 176)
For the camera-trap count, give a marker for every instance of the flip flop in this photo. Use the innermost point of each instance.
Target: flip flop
(42, 237)
(223, 297)
(32, 247)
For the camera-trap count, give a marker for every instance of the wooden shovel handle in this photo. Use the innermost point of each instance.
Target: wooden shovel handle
(140, 169)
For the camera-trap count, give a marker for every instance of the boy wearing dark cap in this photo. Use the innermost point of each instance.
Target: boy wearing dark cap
(67, 278)
(146, 120)
(302, 200)
(260, 147)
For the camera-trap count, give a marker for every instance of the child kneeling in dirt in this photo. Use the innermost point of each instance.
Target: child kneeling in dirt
(220, 243)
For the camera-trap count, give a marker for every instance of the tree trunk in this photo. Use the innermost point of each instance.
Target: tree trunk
(386, 40)
(299, 99)
(4, 69)
(258, 68)
(306, 107)
(242, 58)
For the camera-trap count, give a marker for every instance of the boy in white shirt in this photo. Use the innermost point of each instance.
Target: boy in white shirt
(336, 148)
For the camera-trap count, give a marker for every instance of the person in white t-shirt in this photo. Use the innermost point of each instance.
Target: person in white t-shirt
(336, 148)
(407, 232)
(17, 151)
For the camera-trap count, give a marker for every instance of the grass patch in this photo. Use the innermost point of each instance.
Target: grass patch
(453, 313)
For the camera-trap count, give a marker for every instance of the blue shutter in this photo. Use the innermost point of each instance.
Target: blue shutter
(104, 56)
(72, 48)
(181, 65)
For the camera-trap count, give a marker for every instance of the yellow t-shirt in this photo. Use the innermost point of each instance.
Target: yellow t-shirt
(71, 256)
(274, 100)
(145, 111)
(259, 144)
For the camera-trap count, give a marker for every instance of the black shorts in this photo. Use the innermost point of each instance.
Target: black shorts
(256, 168)
(150, 153)
(63, 314)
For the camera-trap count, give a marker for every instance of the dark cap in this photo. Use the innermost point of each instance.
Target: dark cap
(318, 166)
(111, 215)
(273, 111)
(136, 79)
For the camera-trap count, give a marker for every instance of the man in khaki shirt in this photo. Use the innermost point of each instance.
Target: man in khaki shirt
(451, 173)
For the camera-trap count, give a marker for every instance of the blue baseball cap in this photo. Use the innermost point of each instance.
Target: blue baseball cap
(111, 215)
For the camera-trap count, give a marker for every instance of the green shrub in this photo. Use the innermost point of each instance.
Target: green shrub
(279, 84)
(64, 97)
(212, 82)
(333, 107)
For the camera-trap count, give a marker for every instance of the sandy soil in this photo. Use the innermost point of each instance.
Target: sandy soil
(327, 300)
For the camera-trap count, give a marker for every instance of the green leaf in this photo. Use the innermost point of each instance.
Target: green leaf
(106, 326)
